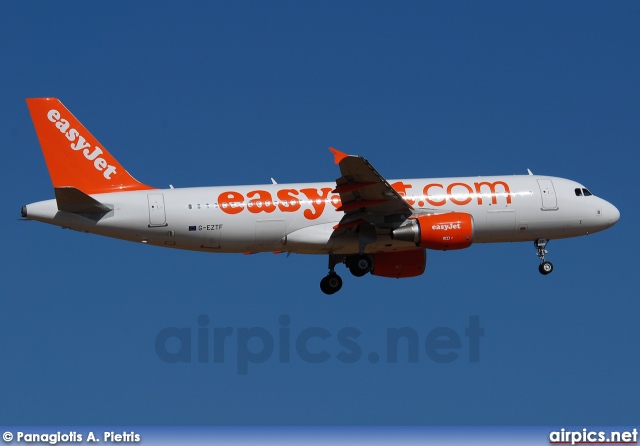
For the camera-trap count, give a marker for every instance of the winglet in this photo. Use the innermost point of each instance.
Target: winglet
(74, 156)
(338, 155)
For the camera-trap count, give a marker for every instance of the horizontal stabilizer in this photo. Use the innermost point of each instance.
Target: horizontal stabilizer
(74, 200)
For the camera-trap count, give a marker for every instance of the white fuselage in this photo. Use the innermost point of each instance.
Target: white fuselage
(300, 218)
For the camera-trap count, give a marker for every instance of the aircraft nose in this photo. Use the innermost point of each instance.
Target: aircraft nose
(612, 214)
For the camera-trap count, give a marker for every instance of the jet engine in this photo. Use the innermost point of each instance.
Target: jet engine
(453, 230)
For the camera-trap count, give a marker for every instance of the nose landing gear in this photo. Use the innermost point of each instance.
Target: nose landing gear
(545, 267)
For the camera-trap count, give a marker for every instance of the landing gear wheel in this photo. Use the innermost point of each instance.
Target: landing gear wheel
(331, 283)
(359, 265)
(545, 268)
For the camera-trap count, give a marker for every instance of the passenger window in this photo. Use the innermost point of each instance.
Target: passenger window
(190, 207)
(586, 192)
(578, 192)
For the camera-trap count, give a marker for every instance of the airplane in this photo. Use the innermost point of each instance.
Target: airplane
(371, 224)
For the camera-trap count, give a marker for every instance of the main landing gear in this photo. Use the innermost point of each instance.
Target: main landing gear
(545, 267)
(332, 283)
(358, 265)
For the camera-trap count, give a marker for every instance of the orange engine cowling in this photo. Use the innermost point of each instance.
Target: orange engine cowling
(399, 264)
(453, 230)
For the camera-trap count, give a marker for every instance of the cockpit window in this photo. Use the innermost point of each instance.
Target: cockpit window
(582, 192)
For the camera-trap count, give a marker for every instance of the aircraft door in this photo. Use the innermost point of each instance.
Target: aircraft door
(548, 193)
(157, 216)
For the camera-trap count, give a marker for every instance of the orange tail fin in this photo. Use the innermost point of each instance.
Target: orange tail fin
(73, 156)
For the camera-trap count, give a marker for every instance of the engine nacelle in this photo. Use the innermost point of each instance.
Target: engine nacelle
(399, 264)
(453, 230)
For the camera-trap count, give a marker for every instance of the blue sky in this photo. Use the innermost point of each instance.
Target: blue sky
(213, 93)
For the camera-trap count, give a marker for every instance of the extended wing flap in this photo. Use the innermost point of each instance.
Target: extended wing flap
(70, 199)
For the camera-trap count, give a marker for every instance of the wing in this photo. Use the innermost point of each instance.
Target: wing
(366, 196)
